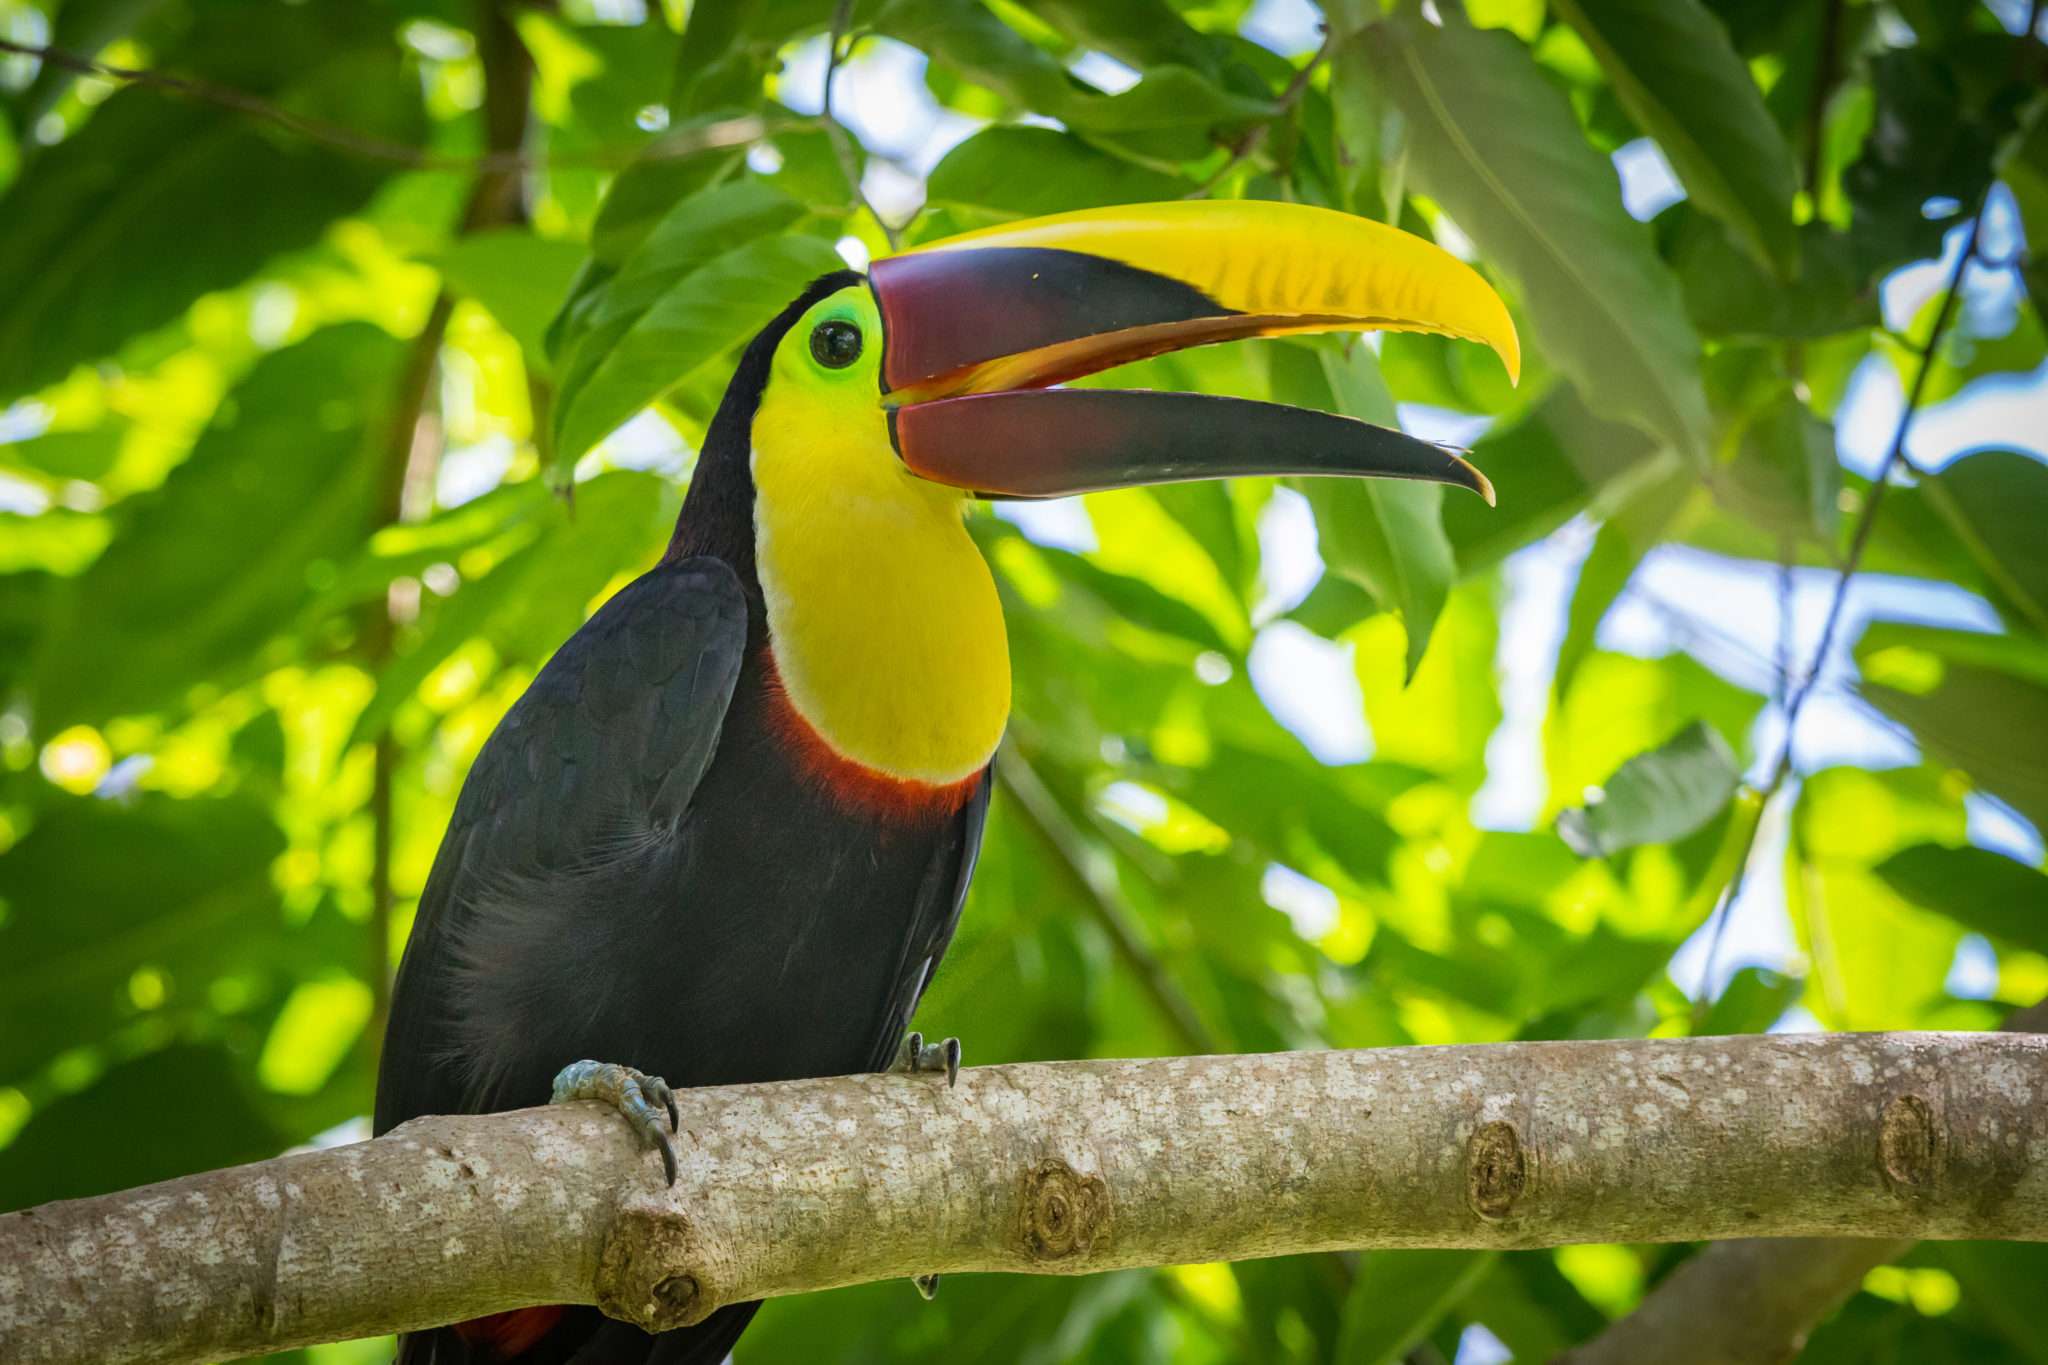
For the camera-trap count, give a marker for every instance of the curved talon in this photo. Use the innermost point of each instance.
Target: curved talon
(633, 1093)
(916, 1057)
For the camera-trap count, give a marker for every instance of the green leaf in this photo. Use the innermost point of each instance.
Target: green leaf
(1911, 658)
(189, 896)
(520, 277)
(85, 1144)
(1658, 797)
(1785, 477)
(1139, 602)
(1168, 114)
(213, 564)
(1755, 999)
(1926, 143)
(1546, 469)
(646, 338)
(1632, 532)
(1999, 1280)
(1996, 502)
(1034, 171)
(1398, 1296)
(1975, 887)
(1386, 535)
(1987, 723)
(1676, 72)
(118, 229)
(1728, 294)
(1494, 143)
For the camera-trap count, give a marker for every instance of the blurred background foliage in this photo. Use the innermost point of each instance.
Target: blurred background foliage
(318, 433)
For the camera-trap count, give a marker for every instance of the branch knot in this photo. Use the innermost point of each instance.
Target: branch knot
(1496, 1170)
(1063, 1211)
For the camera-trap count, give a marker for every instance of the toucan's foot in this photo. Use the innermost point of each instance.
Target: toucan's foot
(927, 1285)
(633, 1093)
(917, 1057)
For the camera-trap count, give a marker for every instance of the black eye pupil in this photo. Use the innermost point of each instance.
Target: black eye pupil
(835, 343)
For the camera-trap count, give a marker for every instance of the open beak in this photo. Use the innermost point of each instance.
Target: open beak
(978, 327)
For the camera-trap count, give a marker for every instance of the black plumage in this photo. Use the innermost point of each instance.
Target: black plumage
(639, 871)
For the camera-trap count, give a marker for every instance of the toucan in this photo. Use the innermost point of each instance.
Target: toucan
(725, 834)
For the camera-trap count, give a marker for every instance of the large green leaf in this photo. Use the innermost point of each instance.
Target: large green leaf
(1986, 891)
(116, 230)
(1033, 171)
(1676, 72)
(1168, 114)
(519, 276)
(1398, 1296)
(216, 562)
(1636, 527)
(1499, 148)
(1996, 502)
(1658, 797)
(1729, 294)
(97, 893)
(1386, 535)
(1546, 468)
(1986, 722)
(627, 363)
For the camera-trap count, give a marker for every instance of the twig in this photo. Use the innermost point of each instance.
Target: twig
(835, 131)
(732, 132)
(1866, 522)
(1105, 899)
(413, 451)
(1255, 137)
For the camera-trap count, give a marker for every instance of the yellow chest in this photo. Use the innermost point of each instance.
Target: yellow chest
(883, 618)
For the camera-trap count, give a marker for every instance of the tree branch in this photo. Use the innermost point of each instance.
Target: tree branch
(1068, 1168)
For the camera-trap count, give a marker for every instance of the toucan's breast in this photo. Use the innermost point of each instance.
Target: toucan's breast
(882, 616)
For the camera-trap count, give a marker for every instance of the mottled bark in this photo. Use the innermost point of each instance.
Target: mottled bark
(1753, 1301)
(1065, 1169)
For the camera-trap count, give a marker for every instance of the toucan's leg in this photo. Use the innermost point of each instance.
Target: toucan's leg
(917, 1057)
(633, 1093)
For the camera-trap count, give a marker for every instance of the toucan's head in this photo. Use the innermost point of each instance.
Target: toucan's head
(863, 418)
(951, 350)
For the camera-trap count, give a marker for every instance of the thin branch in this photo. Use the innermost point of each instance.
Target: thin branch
(732, 132)
(1816, 107)
(1067, 1169)
(1747, 1302)
(1105, 901)
(1866, 523)
(835, 132)
(413, 452)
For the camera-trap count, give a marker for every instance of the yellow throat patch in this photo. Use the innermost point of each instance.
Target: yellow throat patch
(881, 612)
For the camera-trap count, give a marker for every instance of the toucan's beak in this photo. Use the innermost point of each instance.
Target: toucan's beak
(977, 327)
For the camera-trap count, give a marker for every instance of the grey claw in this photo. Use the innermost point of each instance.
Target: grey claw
(927, 1285)
(634, 1094)
(917, 1057)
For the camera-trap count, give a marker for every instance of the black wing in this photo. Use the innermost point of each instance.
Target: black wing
(937, 914)
(601, 754)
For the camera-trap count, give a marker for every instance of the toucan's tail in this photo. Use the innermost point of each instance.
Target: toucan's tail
(574, 1336)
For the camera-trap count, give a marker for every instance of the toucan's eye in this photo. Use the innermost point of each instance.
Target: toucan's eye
(835, 343)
